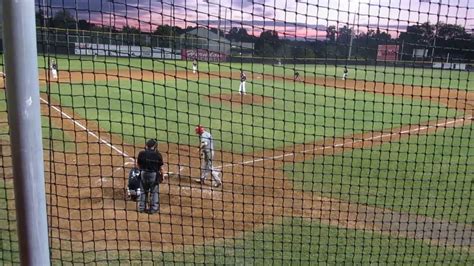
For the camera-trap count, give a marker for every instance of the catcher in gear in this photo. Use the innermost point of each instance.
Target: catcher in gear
(133, 187)
(207, 155)
(150, 163)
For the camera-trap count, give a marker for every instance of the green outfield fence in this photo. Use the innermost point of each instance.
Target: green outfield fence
(347, 140)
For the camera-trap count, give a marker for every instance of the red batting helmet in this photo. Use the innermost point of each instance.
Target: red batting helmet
(199, 129)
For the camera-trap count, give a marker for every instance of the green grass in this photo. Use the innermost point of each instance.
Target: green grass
(53, 137)
(8, 234)
(287, 242)
(298, 114)
(431, 175)
(452, 79)
(300, 241)
(297, 241)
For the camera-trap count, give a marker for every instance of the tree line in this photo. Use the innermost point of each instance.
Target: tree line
(449, 38)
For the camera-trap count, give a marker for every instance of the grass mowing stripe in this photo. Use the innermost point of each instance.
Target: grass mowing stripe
(454, 79)
(425, 174)
(288, 241)
(294, 240)
(297, 114)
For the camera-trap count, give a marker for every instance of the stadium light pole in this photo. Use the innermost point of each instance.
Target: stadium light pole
(219, 18)
(353, 28)
(172, 18)
(77, 21)
(173, 25)
(24, 116)
(110, 23)
(219, 22)
(436, 26)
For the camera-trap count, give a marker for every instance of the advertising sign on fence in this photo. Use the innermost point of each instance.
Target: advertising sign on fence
(202, 55)
(387, 52)
(124, 51)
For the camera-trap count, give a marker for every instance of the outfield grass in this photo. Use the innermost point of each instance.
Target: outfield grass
(453, 79)
(53, 137)
(304, 242)
(287, 242)
(430, 175)
(298, 113)
(8, 233)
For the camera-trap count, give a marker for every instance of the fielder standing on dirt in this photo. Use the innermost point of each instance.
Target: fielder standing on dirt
(195, 66)
(297, 76)
(243, 79)
(346, 73)
(54, 69)
(206, 149)
(150, 163)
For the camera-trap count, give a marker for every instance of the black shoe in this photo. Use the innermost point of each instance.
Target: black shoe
(153, 211)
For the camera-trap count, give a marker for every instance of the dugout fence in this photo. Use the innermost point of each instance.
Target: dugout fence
(341, 131)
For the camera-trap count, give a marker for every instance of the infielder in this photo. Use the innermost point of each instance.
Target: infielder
(297, 76)
(195, 66)
(344, 76)
(243, 79)
(150, 163)
(207, 155)
(54, 69)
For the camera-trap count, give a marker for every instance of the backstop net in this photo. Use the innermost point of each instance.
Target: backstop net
(306, 132)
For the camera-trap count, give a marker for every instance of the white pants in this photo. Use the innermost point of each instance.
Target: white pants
(194, 69)
(344, 76)
(206, 169)
(242, 87)
(54, 73)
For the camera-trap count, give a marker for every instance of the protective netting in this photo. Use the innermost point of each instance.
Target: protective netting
(341, 130)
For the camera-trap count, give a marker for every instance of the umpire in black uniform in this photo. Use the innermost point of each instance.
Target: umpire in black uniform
(150, 163)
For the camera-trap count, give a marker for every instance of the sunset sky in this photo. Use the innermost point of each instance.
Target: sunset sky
(307, 18)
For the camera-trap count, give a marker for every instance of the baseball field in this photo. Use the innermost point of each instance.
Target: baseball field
(373, 169)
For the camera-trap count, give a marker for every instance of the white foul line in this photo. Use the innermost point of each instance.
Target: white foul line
(266, 158)
(347, 143)
(87, 130)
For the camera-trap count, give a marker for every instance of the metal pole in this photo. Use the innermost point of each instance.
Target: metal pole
(352, 36)
(436, 31)
(218, 23)
(77, 22)
(24, 117)
(110, 26)
(401, 53)
(173, 36)
(219, 30)
(225, 20)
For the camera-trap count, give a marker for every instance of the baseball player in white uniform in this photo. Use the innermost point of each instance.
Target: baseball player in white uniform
(195, 66)
(243, 79)
(207, 155)
(54, 69)
(346, 73)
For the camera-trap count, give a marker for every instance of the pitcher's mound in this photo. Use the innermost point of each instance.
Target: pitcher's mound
(237, 99)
